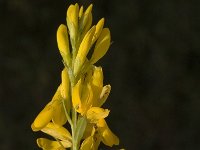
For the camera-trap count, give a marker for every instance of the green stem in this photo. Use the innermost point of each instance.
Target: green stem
(74, 116)
(66, 114)
(74, 120)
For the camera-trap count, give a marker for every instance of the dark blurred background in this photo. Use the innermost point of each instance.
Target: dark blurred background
(153, 66)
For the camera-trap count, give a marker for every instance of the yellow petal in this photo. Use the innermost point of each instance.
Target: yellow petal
(76, 101)
(97, 84)
(86, 98)
(43, 117)
(87, 144)
(59, 116)
(63, 43)
(87, 76)
(86, 21)
(56, 131)
(96, 141)
(65, 84)
(99, 28)
(89, 9)
(72, 20)
(81, 12)
(83, 50)
(88, 130)
(86, 27)
(46, 144)
(91, 130)
(72, 14)
(84, 17)
(57, 95)
(102, 45)
(82, 97)
(94, 114)
(108, 137)
(104, 95)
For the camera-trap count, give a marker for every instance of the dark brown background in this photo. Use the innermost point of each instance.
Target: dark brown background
(153, 66)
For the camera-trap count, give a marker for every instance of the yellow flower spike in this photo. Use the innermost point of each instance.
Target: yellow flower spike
(99, 28)
(46, 144)
(83, 50)
(63, 43)
(94, 114)
(81, 93)
(102, 46)
(104, 95)
(72, 20)
(88, 144)
(43, 117)
(57, 132)
(108, 137)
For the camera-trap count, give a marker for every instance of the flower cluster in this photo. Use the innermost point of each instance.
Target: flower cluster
(81, 94)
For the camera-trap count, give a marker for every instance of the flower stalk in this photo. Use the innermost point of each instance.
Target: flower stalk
(81, 94)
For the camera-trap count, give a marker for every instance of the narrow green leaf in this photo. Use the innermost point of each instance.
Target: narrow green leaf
(80, 128)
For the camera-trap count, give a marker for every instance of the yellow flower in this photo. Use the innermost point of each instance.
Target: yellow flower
(43, 118)
(100, 132)
(106, 135)
(58, 132)
(48, 113)
(87, 92)
(54, 109)
(61, 134)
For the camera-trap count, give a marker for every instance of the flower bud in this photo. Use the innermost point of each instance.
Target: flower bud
(63, 43)
(102, 45)
(83, 50)
(72, 21)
